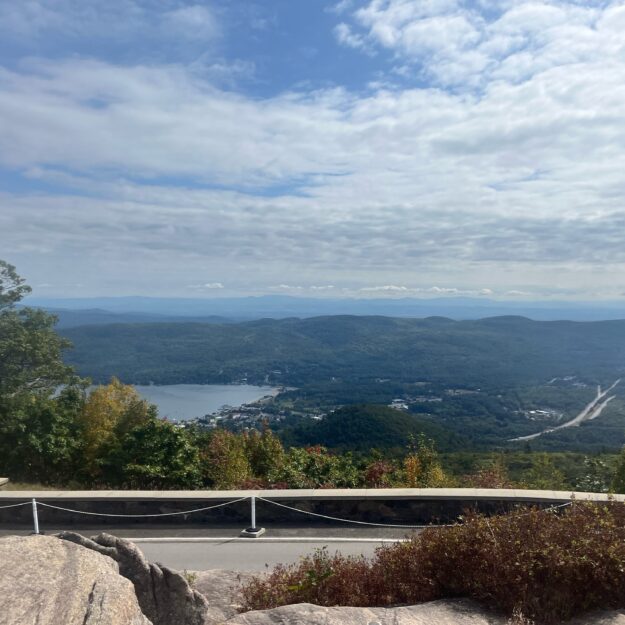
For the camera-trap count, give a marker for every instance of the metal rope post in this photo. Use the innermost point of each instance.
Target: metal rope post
(35, 517)
(253, 531)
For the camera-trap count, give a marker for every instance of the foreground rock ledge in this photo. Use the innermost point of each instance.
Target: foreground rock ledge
(47, 581)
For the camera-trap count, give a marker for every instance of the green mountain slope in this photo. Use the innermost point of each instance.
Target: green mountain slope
(363, 427)
(489, 352)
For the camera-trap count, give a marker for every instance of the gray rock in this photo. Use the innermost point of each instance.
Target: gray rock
(222, 589)
(432, 613)
(164, 595)
(46, 581)
(612, 617)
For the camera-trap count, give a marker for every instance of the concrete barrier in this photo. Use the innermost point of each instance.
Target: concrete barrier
(3, 481)
(410, 506)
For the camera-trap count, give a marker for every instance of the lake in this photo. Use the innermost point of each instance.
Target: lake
(187, 401)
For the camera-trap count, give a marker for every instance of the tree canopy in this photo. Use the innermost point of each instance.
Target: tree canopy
(30, 350)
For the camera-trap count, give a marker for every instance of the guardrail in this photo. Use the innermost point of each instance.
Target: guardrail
(251, 531)
(547, 500)
(429, 494)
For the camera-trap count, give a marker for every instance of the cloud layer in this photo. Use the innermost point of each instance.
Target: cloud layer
(488, 158)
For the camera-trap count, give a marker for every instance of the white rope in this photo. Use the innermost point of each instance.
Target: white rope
(136, 516)
(15, 505)
(333, 518)
(275, 503)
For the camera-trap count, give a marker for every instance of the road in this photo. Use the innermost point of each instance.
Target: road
(253, 554)
(200, 549)
(591, 411)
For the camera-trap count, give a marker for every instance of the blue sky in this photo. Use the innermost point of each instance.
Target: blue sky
(355, 148)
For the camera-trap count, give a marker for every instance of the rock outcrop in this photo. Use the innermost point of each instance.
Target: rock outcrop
(46, 581)
(433, 613)
(164, 595)
(222, 590)
(107, 581)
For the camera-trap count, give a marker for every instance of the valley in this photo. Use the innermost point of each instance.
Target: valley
(496, 382)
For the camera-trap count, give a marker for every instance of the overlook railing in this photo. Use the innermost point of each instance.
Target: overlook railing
(382, 508)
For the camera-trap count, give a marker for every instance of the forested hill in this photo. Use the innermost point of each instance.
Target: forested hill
(487, 352)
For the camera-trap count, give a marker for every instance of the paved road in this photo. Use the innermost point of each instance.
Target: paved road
(193, 549)
(248, 555)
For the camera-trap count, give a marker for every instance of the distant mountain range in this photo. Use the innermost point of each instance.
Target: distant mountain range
(68, 318)
(98, 310)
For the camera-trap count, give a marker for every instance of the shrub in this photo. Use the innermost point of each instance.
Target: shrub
(264, 451)
(155, 455)
(379, 474)
(543, 474)
(422, 468)
(315, 467)
(596, 476)
(546, 566)
(224, 460)
(493, 476)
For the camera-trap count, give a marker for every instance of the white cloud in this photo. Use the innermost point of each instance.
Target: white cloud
(345, 36)
(313, 289)
(207, 286)
(195, 21)
(120, 27)
(285, 287)
(341, 6)
(443, 290)
(387, 287)
(515, 174)
(460, 43)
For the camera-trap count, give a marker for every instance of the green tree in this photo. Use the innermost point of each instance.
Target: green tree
(596, 476)
(543, 474)
(108, 414)
(618, 481)
(422, 468)
(493, 475)
(264, 451)
(314, 467)
(34, 430)
(224, 460)
(30, 350)
(50, 449)
(155, 455)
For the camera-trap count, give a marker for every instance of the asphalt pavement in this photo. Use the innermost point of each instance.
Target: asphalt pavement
(253, 554)
(201, 548)
(161, 530)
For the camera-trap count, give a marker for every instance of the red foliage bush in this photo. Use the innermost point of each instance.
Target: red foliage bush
(378, 474)
(548, 566)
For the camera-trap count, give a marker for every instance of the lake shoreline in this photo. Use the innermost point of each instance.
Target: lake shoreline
(185, 402)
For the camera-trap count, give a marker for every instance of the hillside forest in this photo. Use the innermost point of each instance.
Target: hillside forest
(55, 432)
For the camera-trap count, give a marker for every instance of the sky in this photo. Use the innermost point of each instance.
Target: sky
(352, 148)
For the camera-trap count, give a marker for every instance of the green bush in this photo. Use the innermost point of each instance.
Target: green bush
(547, 566)
(315, 467)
